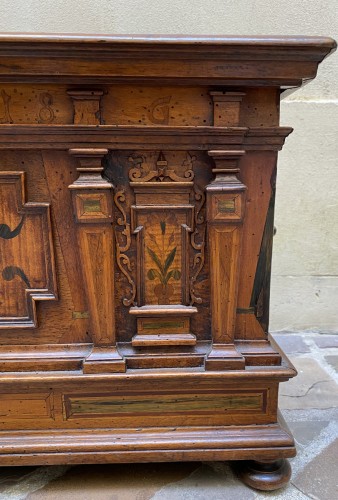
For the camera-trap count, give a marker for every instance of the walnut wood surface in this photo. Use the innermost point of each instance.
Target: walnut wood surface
(137, 184)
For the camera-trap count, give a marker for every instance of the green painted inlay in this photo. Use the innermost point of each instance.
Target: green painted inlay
(249, 310)
(80, 314)
(92, 205)
(226, 206)
(163, 324)
(111, 405)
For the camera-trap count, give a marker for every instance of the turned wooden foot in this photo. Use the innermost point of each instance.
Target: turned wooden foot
(265, 475)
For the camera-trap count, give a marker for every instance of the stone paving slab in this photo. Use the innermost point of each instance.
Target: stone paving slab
(333, 361)
(10, 476)
(291, 343)
(312, 388)
(306, 431)
(326, 341)
(319, 479)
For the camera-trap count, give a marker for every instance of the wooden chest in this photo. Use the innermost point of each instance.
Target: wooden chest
(137, 185)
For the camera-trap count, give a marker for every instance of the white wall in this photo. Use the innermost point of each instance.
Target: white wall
(305, 266)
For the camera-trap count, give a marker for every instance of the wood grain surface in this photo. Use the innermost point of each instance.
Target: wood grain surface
(137, 184)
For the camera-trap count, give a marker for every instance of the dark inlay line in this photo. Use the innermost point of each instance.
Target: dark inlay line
(10, 272)
(7, 234)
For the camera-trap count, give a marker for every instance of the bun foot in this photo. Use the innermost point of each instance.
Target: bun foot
(265, 475)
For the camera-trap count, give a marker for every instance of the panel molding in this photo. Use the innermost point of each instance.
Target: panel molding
(26, 254)
(144, 404)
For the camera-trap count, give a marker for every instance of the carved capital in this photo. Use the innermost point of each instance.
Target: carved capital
(226, 192)
(91, 198)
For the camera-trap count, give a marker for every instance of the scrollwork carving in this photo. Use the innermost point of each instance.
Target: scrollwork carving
(162, 172)
(197, 240)
(122, 259)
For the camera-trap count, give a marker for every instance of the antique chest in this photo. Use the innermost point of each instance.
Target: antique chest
(137, 185)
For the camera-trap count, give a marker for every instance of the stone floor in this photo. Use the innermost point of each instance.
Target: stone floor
(309, 404)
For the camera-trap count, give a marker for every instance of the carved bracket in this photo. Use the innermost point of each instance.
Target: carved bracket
(197, 240)
(161, 174)
(26, 254)
(122, 258)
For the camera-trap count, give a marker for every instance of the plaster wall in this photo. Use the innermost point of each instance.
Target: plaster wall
(305, 266)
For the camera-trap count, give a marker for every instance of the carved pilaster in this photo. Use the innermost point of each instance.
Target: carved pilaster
(225, 213)
(92, 202)
(226, 108)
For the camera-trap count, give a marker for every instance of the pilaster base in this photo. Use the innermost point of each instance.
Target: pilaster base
(224, 357)
(104, 360)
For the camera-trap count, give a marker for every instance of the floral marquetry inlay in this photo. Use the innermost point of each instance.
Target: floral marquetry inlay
(163, 261)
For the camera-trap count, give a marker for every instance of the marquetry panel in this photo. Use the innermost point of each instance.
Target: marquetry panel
(120, 105)
(144, 105)
(92, 206)
(26, 254)
(26, 406)
(165, 325)
(226, 207)
(227, 242)
(153, 188)
(166, 404)
(37, 104)
(163, 234)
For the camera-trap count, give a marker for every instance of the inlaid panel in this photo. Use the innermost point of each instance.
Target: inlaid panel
(26, 406)
(160, 236)
(26, 254)
(163, 234)
(38, 104)
(145, 105)
(90, 405)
